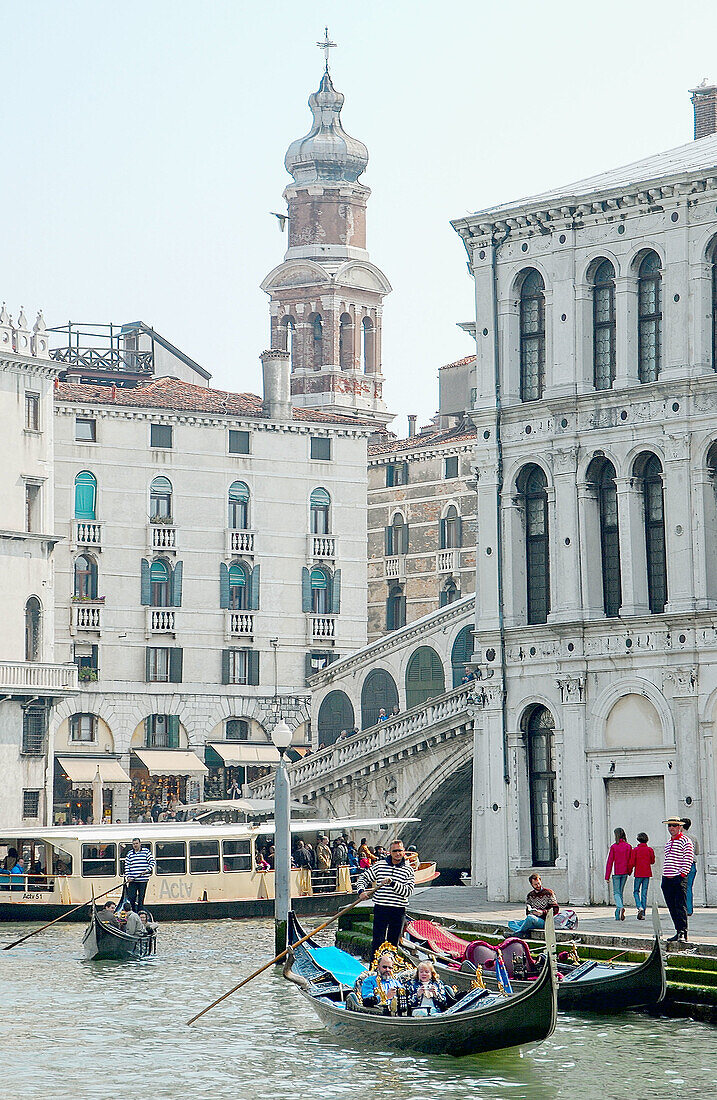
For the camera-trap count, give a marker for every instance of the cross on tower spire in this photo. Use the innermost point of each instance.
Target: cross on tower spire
(326, 45)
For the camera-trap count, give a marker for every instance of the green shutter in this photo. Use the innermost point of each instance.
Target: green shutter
(406, 534)
(175, 666)
(253, 604)
(459, 531)
(223, 586)
(147, 653)
(444, 534)
(225, 666)
(308, 670)
(145, 585)
(253, 667)
(388, 541)
(336, 593)
(173, 731)
(389, 475)
(176, 585)
(305, 589)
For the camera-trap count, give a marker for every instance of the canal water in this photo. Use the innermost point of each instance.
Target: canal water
(73, 1029)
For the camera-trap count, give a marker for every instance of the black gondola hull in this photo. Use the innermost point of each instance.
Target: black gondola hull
(103, 941)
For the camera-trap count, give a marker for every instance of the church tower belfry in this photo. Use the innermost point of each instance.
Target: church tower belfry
(326, 297)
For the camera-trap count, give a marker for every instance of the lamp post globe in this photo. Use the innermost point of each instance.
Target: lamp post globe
(281, 736)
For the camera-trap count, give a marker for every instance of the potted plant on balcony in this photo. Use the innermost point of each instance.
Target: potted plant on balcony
(87, 675)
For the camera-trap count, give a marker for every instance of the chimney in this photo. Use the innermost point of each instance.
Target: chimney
(412, 417)
(704, 101)
(276, 368)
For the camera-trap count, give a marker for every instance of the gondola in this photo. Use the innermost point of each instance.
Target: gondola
(481, 1021)
(105, 941)
(586, 986)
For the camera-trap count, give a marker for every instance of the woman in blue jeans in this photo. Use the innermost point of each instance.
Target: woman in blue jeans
(618, 865)
(689, 882)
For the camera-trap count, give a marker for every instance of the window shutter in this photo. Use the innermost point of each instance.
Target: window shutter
(305, 589)
(404, 548)
(223, 586)
(145, 585)
(308, 670)
(175, 666)
(389, 475)
(389, 614)
(253, 667)
(388, 541)
(444, 534)
(336, 593)
(173, 731)
(459, 531)
(225, 665)
(254, 589)
(176, 584)
(147, 652)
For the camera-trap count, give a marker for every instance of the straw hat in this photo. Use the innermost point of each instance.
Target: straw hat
(673, 821)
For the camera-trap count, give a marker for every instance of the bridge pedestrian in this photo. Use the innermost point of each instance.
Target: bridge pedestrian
(396, 881)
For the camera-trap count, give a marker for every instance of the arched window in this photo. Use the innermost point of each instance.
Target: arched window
(160, 500)
(320, 503)
(238, 506)
(532, 488)
(238, 588)
(85, 495)
(159, 579)
(316, 336)
(236, 729)
(395, 608)
(368, 342)
(424, 676)
(461, 654)
(532, 337)
(604, 326)
(714, 308)
(319, 592)
(85, 578)
(162, 731)
(33, 629)
(451, 529)
(287, 335)
(541, 784)
(379, 692)
(649, 305)
(649, 469)
(396, 536)
(346, 342)
(335, 715)
(449, 593)
(601, 475)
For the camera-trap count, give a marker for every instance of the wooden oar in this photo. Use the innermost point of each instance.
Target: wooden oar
(74, 910)
(278, 958)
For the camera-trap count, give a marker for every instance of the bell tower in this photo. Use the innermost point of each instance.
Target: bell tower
(326, 297)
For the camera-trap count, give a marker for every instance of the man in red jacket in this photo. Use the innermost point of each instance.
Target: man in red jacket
(641, 860)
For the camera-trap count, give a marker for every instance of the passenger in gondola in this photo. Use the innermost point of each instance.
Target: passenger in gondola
(381, 987)
(426, 994)
(129, 921)
(106, 914)
(148, 925)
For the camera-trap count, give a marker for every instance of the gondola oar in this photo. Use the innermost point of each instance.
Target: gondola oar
(62, 917)
(278, 958)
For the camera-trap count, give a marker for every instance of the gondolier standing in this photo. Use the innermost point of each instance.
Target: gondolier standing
(679, 856)
(138, 866)
(395, 880)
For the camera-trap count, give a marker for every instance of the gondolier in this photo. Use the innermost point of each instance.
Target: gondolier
(138, 866)
(679, 857)
(395, 880)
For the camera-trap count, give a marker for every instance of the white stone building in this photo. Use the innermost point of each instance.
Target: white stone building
(596, 456)
(215, 555)
(30, 680)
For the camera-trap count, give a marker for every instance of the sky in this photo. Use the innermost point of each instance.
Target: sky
(143, 147)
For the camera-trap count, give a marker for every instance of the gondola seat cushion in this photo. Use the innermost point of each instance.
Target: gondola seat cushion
(481, 954)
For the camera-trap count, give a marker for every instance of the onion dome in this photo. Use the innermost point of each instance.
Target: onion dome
(327, 153)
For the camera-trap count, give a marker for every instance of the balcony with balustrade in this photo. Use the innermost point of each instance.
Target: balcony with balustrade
(448, 561)
(36, 678)
(321, 628)
(239, 542)
(86, 616)
(161, 538)
(238, 624)
(396, 568)
(160, 620)
(321, 547)
(87, 534)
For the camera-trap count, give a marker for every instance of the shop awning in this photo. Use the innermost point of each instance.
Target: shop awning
(82, 771)
(171, 762)
(244, 753)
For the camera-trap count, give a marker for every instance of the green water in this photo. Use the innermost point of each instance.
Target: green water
(73, 1029)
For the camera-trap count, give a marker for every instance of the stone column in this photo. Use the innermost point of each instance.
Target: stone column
(487, 542)
(681, 580)
(708, 777)
(566, 602)
(479, 849)
(625, 332)
(573, 790)
(590, 552)
(704, 538)
(499, 838)
(633, 557)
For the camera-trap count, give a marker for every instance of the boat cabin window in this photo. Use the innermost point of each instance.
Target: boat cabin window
(98, 860)
(171, 856)
(61, 862)
(237, 855)
(203, 857)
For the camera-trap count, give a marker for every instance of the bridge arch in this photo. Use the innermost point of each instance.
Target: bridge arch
(445, 825)
(425, 677)
(335, 714)
(379, 690)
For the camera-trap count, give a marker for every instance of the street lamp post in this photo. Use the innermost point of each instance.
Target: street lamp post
(281, 737)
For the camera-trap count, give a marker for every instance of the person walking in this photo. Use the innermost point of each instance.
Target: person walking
(679, 857)
(642, 859)
(618, 863)
(395, 880)
(689, 900)
(138, 866)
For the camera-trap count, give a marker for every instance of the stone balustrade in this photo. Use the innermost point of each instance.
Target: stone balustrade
(447, 561)
(160, 620)
(322, 547)
(161, 538)
(19, 677)
(322, 628)
(87, 616)
(239, 624)
(88, 532)
(239, 542)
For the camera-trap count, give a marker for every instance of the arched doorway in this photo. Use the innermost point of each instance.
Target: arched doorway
(379, 690)
(424, 677)
(335, 714)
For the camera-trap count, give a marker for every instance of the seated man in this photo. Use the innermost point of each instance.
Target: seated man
(106, 913)
(537, 904)
(380, 988)
(130, 921)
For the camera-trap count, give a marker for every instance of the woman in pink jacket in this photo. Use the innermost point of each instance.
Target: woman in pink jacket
(618, 865)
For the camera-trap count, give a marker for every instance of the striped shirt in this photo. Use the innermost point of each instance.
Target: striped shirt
(679, 856)
(384, 871)
(139, 864)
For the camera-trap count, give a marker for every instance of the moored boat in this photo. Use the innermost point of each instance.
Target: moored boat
(481, 1021)
(105, 940)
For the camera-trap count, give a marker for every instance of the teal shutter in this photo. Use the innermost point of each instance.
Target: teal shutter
(223, 586)
(388, 541)
(147, 653)
(175, 666)
(85, 495)
(253, 604)
(176, 585)
(444, 534)
(253, 667)
(308, 670)
(145, 587)
(225, 666)
(305, 589)
(173, 731)
(459, 531)
(336, 593)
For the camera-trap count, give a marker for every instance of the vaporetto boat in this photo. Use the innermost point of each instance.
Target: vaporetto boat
(202, 871)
